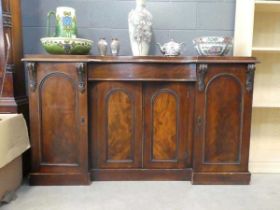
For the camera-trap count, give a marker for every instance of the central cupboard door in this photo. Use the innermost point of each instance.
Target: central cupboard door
(118, 143)
(168, 120)
(142, 125)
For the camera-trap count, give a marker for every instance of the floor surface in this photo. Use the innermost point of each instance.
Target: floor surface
(262, 194)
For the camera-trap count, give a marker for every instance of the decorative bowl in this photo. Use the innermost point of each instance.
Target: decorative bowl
(66, 46)
(213, 45)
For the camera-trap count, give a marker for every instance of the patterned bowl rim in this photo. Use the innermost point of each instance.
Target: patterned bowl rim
(44, 39)
(226, 40)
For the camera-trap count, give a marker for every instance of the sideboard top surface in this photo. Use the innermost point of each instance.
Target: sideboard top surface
(138, 59)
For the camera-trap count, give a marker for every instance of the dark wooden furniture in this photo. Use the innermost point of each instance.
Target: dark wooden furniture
(13, 97)
(140, 118)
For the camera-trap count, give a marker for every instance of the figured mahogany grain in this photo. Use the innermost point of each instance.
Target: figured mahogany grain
(118, 129)
(222, 136)
(58, 143)
(168, 126)
(119, 126)
(165, 135)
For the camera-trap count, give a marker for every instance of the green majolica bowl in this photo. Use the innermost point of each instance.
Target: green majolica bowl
(66, 46)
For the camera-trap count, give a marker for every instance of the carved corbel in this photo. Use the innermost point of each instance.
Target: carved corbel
(202, 70)
(7, 19)
(10, 68)
(250, 77)
(32, 73)
(81, 70)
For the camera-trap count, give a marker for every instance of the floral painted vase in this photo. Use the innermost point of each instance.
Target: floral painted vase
(140, 29)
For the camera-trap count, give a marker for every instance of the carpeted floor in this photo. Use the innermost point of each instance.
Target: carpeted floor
(262, 194)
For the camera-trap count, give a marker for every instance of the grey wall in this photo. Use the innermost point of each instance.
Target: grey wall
(181, 20)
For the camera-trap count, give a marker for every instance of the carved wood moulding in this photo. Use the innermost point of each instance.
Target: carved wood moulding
(250, 77)
(81, 70)
(202, 70)
(7, 19)
(31, 68)
(10, 68)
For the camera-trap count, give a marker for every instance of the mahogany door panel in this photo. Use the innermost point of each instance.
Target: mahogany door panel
(223, 109)
(119, 125)
(59, 109)
(58, 119)
(168, 125)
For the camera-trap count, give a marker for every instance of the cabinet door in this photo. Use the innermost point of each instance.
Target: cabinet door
(118, 142)
(168, 117)
(58, 116)
(223, 115)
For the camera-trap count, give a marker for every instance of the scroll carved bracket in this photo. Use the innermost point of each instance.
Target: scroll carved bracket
(7, 19)
(81, 70)
(10, 68)
(32, 73)
(202, 70)
(250, 77)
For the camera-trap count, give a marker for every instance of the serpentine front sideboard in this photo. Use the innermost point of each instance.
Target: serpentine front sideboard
(140, 118)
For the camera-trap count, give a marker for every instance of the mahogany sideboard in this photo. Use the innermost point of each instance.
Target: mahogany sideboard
(140, 118)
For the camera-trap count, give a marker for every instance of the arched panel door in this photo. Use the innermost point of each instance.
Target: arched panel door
(58, 100)
(59, 144)
(168, 126)
(222, 139)
(223, 110)
(118, 142)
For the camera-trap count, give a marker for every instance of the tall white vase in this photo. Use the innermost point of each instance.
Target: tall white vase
(140, 29)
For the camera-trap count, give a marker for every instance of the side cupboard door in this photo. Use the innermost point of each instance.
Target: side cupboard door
(223, 115)
(58, 117)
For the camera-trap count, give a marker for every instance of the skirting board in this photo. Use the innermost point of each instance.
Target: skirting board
(48, 179)
(222, 178)
(141, 174)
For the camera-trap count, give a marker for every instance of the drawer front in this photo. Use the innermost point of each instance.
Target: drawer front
(141, 72)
